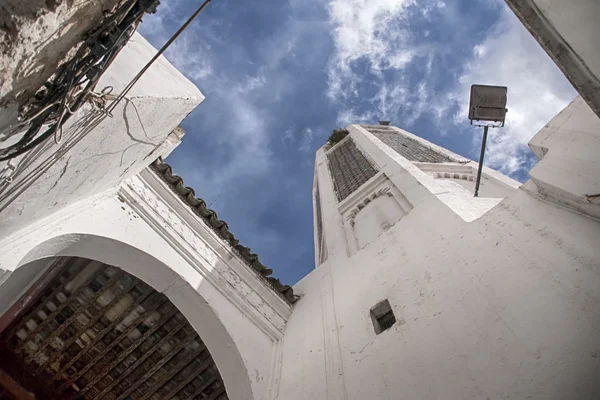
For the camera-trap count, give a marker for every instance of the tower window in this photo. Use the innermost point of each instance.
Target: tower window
(349, 168)
(382, 316)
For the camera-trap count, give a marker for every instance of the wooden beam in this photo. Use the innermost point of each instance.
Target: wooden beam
(158, 365)
(179, 366)
(78, 308)
(59, 352)
(32, 293)
(140, 360)
(205, 385)
(14, 388)
(155, 300)
(70, 302)
(186, 380)
(101, 334)
(131, 348)
(62, 266)
(216, 393)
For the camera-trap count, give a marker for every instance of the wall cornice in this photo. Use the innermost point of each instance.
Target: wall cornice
(213, 259)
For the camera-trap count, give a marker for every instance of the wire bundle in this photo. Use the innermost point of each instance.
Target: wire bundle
(74, 83)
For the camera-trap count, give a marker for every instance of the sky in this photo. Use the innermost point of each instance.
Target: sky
(279, 75)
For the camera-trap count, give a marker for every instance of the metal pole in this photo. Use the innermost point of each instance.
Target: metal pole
(485, 131)
(160, 52)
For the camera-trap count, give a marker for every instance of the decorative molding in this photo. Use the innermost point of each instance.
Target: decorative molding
(275, 371)
(221, 268)
(464, 169)
(217, 244)
(349, 208)
(220, 227)
(362, 192)
(383, 191)
(452, 175)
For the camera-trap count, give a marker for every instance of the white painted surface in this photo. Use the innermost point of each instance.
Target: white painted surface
(97, 153)
(465, 175)
(569, 32)
(371, 210)
(495, 297)
(37, 36)
(569, 169)
(577, 22)
(375, 218)
(88, 197)
(161, 80)
(454, 196)
(505, 306)
(149, 232)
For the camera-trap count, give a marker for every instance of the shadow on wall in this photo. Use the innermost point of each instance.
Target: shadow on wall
(196, 309)
(34, 44)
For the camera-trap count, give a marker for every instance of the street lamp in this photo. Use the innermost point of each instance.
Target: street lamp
(487, 104)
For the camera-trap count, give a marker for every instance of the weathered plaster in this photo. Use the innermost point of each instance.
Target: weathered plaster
(569, 32)
(35, 37)
(97, 152)
(149, 232)
(503, 306)
(88, 197)
(568, 170)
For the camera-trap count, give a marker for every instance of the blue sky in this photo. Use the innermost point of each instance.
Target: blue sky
(279, 75)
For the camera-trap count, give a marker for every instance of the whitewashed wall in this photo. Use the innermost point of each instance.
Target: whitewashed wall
(91, 196)
(569, 166)
(146, 230)
(98, 152)
(504, 306)
(569, 32)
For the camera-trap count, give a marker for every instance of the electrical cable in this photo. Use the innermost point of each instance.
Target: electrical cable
(156, 56)
(74, 73)
(60, 98)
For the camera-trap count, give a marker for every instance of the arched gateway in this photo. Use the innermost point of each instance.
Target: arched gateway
(92, 330)
(153, 258)
(135, 296)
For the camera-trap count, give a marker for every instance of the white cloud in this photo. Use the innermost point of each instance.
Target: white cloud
(372, 38)
(306, 140)
(302, 140)
(363, 28)
(236, 120)
(189, 59)
(537, 90)
(374, 48)
(351, 116)
(251, 84)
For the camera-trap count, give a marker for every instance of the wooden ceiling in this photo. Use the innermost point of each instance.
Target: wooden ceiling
(97, 332)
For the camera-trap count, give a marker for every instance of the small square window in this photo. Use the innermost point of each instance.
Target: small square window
(382, 316)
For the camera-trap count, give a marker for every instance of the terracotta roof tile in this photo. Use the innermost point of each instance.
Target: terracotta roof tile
(211, 218)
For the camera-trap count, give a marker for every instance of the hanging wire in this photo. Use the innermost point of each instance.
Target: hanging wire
(157, 55)
(73, 84)
(78, 71)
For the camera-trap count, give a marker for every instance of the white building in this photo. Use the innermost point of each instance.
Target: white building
(491, 297)
(420, 290)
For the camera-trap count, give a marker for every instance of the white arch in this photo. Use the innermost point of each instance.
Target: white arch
(163, 279)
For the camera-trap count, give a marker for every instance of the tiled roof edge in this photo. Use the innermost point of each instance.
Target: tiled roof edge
(210, 217)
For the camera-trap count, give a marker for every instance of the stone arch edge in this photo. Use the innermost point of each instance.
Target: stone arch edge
(155, 273)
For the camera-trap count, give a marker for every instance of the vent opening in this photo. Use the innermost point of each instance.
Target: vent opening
(382, 316)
